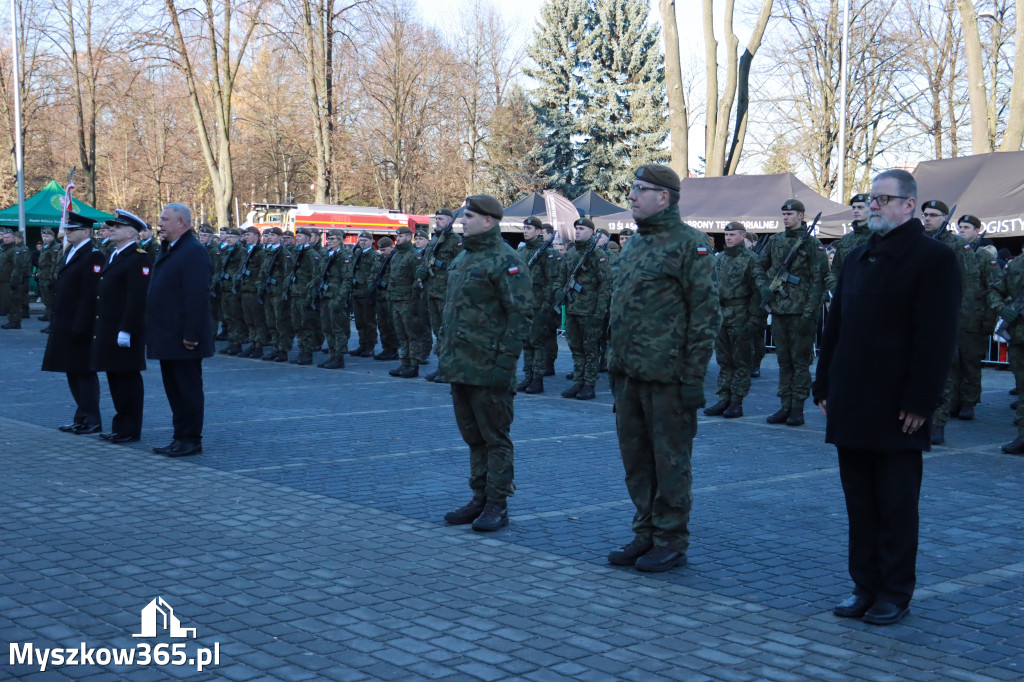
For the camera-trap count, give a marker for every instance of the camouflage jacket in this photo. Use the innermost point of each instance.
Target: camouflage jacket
(381, 275)
(740, 278)
(302, 263)
(982, 297)
(593, 281)
(334, 278)
(49, 259)
(439, 254)
(15, 266)
(151, 246)
(664, 308)
(365, 265)
(847, 243)
(487, 313)
(214, 249)
(230, 262)
(544, 271)
(272, 270)
(403, 273)
(250, 264)
(810, 266)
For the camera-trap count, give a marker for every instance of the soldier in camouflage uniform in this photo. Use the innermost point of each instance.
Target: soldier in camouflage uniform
(385, 320)
(366, 263)
(15, 269)
(332, 290)
(406, 314)
(486, 317)
(420, 241)
(210, 241)
(441, 251)
(102, 240)
(46, 270)
(740, 278)
(664, 321)
(302, 265)
(1010, 288)
(231, 256)
(551, 342)
(149, 242)
(795, 309)
(586, 303)
(247, 283)
(858, 235)
(271, 290)
(544, 266)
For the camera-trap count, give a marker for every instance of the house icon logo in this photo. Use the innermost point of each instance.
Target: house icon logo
(159, 614)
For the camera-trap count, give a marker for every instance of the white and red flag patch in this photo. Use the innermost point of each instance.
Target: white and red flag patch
(702, 250)
(514, 270)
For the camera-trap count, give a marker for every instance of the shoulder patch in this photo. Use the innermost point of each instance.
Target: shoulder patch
(702, 250)
(514, 270)
(821, 247)
(145, 270)
(967, 247)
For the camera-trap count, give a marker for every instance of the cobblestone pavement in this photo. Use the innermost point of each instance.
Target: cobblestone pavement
(307, 540)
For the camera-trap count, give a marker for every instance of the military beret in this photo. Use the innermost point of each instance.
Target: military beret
(584, 222)
(860, 198)
(252, 229)
(735, 226)
(547, 227)
(336, 234)
(365, 234)
(794, 205)
(6, 230)
(46, 230)
(486, 205)
(971, 220)
(626, 232)
(126, 218)
(275, 230)
(533, 222)
(306, 231)
(385, 242)
(404, 229)
(79, 222)
(613, 247)
(287, 233)
(658, 174)
(205, 228)
(233, 231)
(445, 211)
(422, 234)
(936, 205)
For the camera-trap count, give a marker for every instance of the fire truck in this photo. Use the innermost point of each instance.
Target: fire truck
(352, 219)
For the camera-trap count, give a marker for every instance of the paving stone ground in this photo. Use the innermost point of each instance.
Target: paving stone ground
(307, 540)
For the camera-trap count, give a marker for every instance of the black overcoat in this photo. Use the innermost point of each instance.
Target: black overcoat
(68, 347)
(889, 339)
(178, 306)
(121, 307)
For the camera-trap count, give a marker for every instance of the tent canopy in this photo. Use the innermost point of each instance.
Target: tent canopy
(44, 210)
(593, 204)
(531, 204)
(708, 204)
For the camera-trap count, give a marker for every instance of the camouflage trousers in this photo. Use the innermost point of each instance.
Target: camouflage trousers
(543, 330)
(757, 348)
(733, 353)
(216, 305)
(794, 346)
(584, 334)
(971, 352)
(46, 291)
(306, 324)
(656, 441)
(337, 327)
(279, 322)
(435, 311)
(426, 337)
(950, 395)
(367, 318)
(254, 318)
(231, 314)
(408, 321)
(10, 301)
(485, 420)
(386, 326)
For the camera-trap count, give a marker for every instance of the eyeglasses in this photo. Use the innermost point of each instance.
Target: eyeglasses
(883, 199)
(641, 188)
(932, 215)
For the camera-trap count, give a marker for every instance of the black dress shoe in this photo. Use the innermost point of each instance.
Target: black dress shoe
(122, 438)
(167, 448)
(185, 449)
(885, 613)
(68, 428)
(853, 606)
(628, 554)
(85, 429)
(108, 436)
(659, 560)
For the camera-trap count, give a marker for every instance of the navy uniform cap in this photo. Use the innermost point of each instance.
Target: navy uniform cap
(126, 218)
(77, 221)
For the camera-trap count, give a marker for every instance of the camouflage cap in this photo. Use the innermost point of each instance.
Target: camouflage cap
(658, 174)
(794, 205)
(533, 222)
(445, 211)
(935, 205)
(970, 220)
(862, 198)
(404, 229)
(486, 205)
(385, 242)
(584, 222)
(735, 226)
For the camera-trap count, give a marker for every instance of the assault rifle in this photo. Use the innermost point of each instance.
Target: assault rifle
(322, 289)
(783, 276)
(223, 274)
(429, 259)
(243, 272)
(268, 280)
(378, 280)
(542, 249)
(573, 287)
(292, 278)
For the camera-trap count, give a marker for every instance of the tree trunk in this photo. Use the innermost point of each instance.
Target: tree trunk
(1013, 137)
(679, 126)
(712, 167)
(743, 95)
(980, 138)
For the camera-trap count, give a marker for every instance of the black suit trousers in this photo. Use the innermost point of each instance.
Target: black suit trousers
(183, 383)
(882, 489)
(128, 393)
(85, 389)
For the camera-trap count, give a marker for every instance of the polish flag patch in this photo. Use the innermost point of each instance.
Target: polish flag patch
(514, 270)
(145, 270)
(97, 268)
(702, 250)
(821, 247)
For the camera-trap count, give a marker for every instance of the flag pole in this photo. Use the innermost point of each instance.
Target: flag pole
(19, 156)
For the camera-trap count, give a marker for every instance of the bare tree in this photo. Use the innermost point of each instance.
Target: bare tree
(678, 116)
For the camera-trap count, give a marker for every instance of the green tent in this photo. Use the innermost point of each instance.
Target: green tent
(43, 209)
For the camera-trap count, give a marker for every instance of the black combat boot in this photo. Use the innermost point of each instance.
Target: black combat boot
(572, 391)
(527, 380)
(11, 325)
(439, 379)
(1015, 447)
(304, 359)
(466, 513)
(570, 376)
(796, 414)
(430, 377)
(385, 355)
(233, 348)
(779, 417)
(397, 371)
(734, 410)
(281, 357)
(536, 386)
(966, 412)
(586, 393)
(493, 517)
(938, 434)
(628, 554)
(1013, 405)
(717, 409)
(1013, 391)
(410, 372)
(337, 362)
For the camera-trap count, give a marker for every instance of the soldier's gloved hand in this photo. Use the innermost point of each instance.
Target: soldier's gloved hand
(503, 375)
(1009, 313)
(692, 397)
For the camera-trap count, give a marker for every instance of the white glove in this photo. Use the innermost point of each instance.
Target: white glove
(124, 339)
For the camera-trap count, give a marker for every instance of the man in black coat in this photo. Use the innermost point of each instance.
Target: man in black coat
(179, 329)
(71, 324)
(887, 346)
(119, 341)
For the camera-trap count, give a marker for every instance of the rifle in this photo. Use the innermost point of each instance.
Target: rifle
(541, 250)
(1001, 331)
(322, 289)
(268, 280)
(243, 272)
(571, 285)
(945, 224)
(377, 281)
(431, 261)
(223, 274)
(293, 277)
(783, 276)
(762, 242)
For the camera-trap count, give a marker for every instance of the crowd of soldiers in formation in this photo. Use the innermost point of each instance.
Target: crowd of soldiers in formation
(272, 288)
